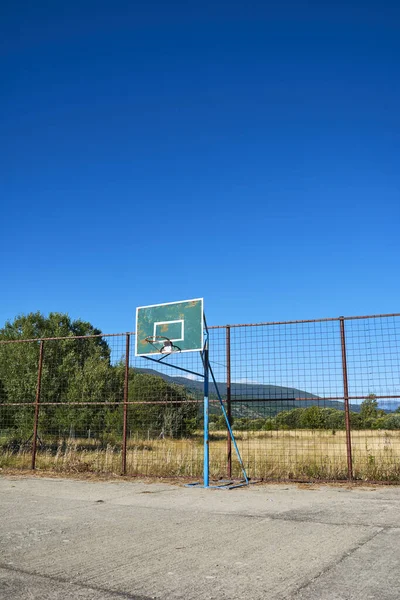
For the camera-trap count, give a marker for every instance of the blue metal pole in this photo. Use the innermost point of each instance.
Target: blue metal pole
(206, 472)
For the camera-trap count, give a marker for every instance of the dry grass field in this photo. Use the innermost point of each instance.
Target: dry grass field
(276, 455)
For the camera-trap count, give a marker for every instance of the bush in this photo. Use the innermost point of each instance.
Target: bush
(392, 421)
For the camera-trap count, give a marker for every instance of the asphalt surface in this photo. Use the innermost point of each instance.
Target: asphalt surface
(84, 540)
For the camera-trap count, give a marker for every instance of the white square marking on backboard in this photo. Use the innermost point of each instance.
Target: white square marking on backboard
(167, 323)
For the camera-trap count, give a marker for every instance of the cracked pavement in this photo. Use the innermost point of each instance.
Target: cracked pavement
(75, 539)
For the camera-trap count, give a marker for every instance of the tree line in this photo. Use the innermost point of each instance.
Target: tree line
(317, 417)
(82, 390)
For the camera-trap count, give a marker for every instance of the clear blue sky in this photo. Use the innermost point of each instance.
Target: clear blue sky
(157, 151)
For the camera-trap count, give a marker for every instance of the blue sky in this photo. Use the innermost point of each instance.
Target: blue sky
(247, 153)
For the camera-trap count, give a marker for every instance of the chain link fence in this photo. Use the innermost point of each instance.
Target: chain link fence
(307, 400)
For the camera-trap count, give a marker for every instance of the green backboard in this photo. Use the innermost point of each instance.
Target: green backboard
(181, 322)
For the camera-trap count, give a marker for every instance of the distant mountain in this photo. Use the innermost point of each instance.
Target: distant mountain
(389, 405)
(253, 400)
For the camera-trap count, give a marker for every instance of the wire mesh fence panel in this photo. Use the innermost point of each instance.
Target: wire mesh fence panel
(373, 365)
(80, 421)
(18, 387)
(287, 399)
(81, 412)
(164, 418)
(219, 445)
(89, 404)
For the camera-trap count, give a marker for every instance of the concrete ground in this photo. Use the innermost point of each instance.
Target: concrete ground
(63, 539)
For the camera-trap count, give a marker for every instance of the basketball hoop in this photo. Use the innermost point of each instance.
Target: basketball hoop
(183, 322)
(162, 344)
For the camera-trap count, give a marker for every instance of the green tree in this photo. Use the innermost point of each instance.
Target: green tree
(312, 418)
(333, 418)
(392, 421)
(218, 421)
(73, 369)
(369, 411)
(19, 362)
(355, 421)
(270, 424)
(241, 424)
(289, 419)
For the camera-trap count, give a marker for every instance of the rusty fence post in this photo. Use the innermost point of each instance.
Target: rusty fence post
(37, 403)
(126, 390)
(228, 399)
(346, 400)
